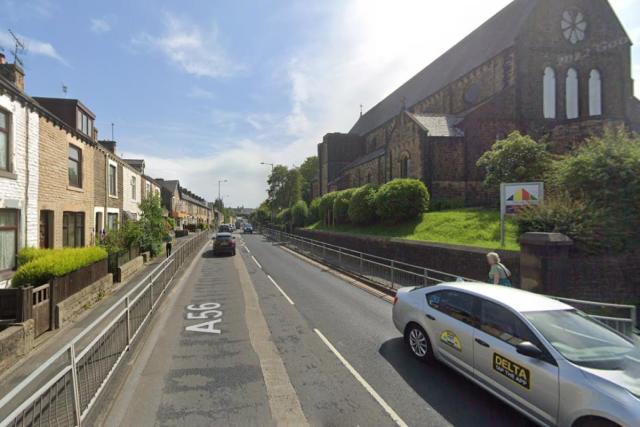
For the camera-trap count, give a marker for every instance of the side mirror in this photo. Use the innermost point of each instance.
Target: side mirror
(529, 349)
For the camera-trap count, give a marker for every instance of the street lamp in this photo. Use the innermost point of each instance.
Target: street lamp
(219, 181)
(272, 211)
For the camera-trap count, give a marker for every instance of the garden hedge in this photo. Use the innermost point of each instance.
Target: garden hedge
(44, 264)
(362, 209)
(326, 207)
(341, 206)
(402, 200)
(299, 213)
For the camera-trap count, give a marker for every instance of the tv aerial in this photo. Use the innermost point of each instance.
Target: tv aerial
(19, 48)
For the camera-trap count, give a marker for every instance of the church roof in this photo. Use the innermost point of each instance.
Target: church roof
(438, 124)
(488, 40)
(366, 158)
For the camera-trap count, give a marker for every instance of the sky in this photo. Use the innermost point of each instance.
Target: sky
(207, 90)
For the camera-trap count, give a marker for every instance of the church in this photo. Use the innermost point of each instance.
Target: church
(553, 69)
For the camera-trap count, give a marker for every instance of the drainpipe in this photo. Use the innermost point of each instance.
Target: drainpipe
(27, 180)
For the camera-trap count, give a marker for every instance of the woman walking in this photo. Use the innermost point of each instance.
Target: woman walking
(498, 274)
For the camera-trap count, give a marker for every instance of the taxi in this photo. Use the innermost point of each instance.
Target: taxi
(551, 362)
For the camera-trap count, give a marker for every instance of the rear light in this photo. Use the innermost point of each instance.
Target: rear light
(395, 300)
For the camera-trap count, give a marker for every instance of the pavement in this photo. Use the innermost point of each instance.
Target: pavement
(49, 343)
(266, 338)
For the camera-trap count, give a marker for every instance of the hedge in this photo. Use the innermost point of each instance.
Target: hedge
(362, 209)
(45, 264)
(402, 200)
(299, 213)
(326, 207)
(341, 206)
(314, 210)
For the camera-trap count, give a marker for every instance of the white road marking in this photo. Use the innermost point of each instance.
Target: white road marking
(256, 261)
(388, 409)
(281, 291)
(248, 251)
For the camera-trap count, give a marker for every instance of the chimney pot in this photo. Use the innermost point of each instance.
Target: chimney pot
(3, 59)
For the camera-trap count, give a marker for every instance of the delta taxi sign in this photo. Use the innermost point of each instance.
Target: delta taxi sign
(515, 196)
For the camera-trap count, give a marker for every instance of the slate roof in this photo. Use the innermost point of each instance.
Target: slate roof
(438, 124)
(488, 40)
(366, 158)
(171, 185)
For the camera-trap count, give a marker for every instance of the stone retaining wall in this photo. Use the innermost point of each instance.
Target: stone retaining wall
(125, 271)
(73, 306)
(15, 342)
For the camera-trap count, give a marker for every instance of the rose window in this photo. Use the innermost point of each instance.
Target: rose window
(573, 26)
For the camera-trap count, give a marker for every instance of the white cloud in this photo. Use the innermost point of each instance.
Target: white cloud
(200, 93)
(32, 46)
(189, 47)
(100, 26)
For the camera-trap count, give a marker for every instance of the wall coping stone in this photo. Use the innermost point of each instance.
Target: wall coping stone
(545, 239)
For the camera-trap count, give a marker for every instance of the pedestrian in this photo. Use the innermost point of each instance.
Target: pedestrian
(498, 274)
(168, 248)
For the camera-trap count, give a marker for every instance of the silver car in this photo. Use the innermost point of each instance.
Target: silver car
(543, 357)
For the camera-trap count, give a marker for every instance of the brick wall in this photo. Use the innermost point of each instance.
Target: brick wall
(15, 342)
(56, 194)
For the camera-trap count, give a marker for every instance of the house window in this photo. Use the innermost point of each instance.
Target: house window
(72, 229)
(147, 190)
(549, 93)
(8, 238)
(404, 166)
(85, 123)
(595, 93)
(75, 166)
(133, 187)
(572, 94)
(5, 152)
(112, 221)
(113, 180)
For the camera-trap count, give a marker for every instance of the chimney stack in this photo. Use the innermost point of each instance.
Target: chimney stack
(12, 72)
(109, 145)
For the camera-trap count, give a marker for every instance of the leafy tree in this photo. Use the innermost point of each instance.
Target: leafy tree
(326, 207)
(309, 170)
(341, 206)
(292, 189)
(402, 200)
(299, 214)
(276, 182)
(314, 210)
(362, 209)
(263, 213)
(518, 158)
(153, 224)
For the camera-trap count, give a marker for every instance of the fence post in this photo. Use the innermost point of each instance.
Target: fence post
(392, 273)
(74, 382)
(426, 277)
(361, 264)
(128, 306)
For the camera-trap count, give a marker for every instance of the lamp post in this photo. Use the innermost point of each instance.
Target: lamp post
(219, 181)
(272, 211)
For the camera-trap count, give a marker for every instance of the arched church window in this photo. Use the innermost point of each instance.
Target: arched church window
(549, 93)
(404, 166)
(572, 94)
(595, 93)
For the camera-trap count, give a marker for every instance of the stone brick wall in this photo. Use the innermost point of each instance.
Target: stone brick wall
(15, 342)
(81, 301)
(130, 268)
(19, 187)
(56, 194)
(405, 141)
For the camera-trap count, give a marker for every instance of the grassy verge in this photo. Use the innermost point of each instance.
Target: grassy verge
(471, 227)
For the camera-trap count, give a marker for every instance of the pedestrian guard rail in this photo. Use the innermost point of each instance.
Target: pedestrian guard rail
(62, 390)
(393, 274)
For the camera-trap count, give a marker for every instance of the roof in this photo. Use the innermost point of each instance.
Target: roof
(74, 102)
(438, 124)
(519, 300)
(484, 43)
(366, 158)
(171, 185)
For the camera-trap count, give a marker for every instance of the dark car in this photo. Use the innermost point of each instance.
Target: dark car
(224, 243)
(224, 228)
(248, 229)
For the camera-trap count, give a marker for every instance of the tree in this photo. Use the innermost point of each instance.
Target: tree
(518, 158)
(155, 227)
(309, 170)
(292, 188)
(362, 208)
(299, 214)
(276, 182)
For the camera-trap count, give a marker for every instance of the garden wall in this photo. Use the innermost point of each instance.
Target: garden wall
(454, 259)
(15, 342)
(82, 300)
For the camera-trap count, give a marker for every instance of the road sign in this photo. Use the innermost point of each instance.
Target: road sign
(514, 196)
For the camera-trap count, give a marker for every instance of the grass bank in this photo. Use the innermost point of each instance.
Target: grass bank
(471, 227)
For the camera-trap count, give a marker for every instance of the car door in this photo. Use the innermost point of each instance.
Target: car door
(450, 318)
(529, 383)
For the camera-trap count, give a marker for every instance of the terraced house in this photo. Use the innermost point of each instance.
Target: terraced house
(555, 69)
(184, 206)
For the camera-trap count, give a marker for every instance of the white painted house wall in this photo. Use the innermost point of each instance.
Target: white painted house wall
(129, 203)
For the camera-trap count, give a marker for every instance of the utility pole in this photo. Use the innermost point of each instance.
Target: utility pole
(219, 181)
(273, 216)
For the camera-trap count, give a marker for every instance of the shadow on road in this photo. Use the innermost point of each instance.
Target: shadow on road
(210, 254)
(454, 397)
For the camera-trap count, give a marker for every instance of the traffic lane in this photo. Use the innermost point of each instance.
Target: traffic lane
(328, 393)
(193, 375)
(359, 325)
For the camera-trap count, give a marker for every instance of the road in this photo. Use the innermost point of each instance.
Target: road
(283, 342)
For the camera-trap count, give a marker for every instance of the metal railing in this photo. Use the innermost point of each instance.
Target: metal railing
(63, 389)
(394, 274)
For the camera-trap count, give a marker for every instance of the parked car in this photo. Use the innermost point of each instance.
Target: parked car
(248, 229)
(224, 243)
(224, 228)
(546, 359)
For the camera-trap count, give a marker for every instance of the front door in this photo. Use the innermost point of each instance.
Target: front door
(451, 325)
(529, 383)
(45, 229)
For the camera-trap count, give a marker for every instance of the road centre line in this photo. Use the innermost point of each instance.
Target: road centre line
(281, 291)
(388, 409)
(256, 261)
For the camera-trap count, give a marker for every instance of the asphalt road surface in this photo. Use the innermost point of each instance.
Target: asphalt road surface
(265, 338)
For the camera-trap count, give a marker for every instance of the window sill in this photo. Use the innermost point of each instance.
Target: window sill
(7, 174)
(112, 196)
(78, 189)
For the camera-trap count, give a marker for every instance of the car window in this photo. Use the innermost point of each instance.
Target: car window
(498, 321)
(221, 238)
(458, 305)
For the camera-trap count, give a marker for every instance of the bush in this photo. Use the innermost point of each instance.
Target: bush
(283, 217)
(314, 211)
(30, 254)
(401, 200)
(341, 206)
(362, 209)
(326, 207)
(299, 213)
(518, 158)
(443, 204)
(50, 263)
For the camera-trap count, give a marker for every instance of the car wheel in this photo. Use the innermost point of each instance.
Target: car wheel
(419, 343)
